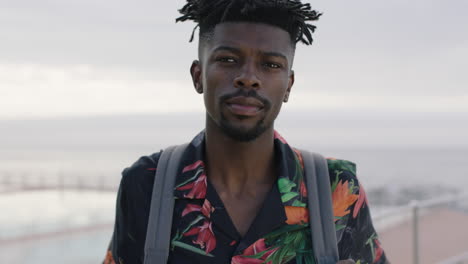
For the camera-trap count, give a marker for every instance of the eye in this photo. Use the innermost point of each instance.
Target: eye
(272, 65)
(226, 59)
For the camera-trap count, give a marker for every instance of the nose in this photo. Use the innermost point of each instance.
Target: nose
(247, 77)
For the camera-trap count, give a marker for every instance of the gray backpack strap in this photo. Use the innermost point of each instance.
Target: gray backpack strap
(321, 221)
(158, 234)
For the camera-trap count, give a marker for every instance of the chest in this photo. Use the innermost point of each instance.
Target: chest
(213, 231)
(242, 211)
(221, 238)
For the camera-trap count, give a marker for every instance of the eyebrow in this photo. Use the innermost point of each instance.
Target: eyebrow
(227, 48)
(264, 53)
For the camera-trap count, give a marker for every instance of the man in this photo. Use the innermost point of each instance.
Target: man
(240, 196)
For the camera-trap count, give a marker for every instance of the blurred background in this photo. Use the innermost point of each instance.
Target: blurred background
(87, 87)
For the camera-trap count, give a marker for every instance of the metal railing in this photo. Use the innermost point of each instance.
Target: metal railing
(413, 212)
(460, 259)
(31, 182)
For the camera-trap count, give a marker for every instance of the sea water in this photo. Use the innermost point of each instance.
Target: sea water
(397, 162)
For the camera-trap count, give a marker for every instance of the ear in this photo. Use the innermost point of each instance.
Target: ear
(290, 85)
(196, 71)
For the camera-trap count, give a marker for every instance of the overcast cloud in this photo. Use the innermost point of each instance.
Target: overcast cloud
(62, 58)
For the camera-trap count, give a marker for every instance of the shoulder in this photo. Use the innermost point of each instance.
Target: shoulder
(341, 166)
(343, 172)
(143, 164)
(141, 172)
(132, 209)
(338, 169)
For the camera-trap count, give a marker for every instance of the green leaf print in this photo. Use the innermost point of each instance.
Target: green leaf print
(342, 165)
(256, 256)
(299, 174)
(195, 221)
(200, 170)
(292, 242)
(337, 179)
(190, 248)
(285, 185)
(179, 235)
(298, 203)
(370, 242)
(309, 259)
(288, 196)
(351, 186)
(285, 229)
(339, 227)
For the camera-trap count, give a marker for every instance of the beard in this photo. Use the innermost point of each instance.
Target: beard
(243, 134)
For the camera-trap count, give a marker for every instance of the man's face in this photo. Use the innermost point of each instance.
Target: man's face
(245, 75)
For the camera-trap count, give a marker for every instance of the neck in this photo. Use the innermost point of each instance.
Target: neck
(239, 168)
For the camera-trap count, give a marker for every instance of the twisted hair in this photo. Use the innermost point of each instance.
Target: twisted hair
(290, 15)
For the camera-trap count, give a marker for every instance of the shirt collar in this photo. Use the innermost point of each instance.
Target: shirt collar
(191, 183)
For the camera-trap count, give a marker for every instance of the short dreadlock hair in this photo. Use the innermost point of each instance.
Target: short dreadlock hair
(290, 15)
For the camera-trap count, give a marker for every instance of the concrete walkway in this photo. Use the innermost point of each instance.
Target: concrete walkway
(443, 234)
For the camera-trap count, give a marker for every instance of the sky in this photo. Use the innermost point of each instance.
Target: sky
(62, 58)
(113, 75)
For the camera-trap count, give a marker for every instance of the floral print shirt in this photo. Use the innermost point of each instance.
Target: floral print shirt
(202, 231)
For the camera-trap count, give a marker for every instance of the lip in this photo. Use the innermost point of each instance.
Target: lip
(244, 106)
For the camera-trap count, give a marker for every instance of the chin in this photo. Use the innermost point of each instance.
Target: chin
(243, 134)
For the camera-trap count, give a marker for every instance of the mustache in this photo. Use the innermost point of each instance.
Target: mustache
(250, 93)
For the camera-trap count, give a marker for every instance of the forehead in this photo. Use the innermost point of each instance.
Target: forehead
(250, 35)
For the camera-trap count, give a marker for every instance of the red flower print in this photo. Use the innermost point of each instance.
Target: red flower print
(244, 260)
(378, 251)
(205, 237)
(191, 208)
(193, 166)
(206, 209)
(303, 189)
(257, 247)
(279, 137)
(197, 188)
(362, 200)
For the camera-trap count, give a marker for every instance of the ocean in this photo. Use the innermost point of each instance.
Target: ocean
(391, 176)
(399, 159)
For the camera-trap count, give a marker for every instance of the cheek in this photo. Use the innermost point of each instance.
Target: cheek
(279, 88)
(278, 93)
(217, 81)
(215, 84)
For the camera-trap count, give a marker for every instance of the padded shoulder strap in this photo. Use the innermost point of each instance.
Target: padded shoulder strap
(321, 216)
(158, 234)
